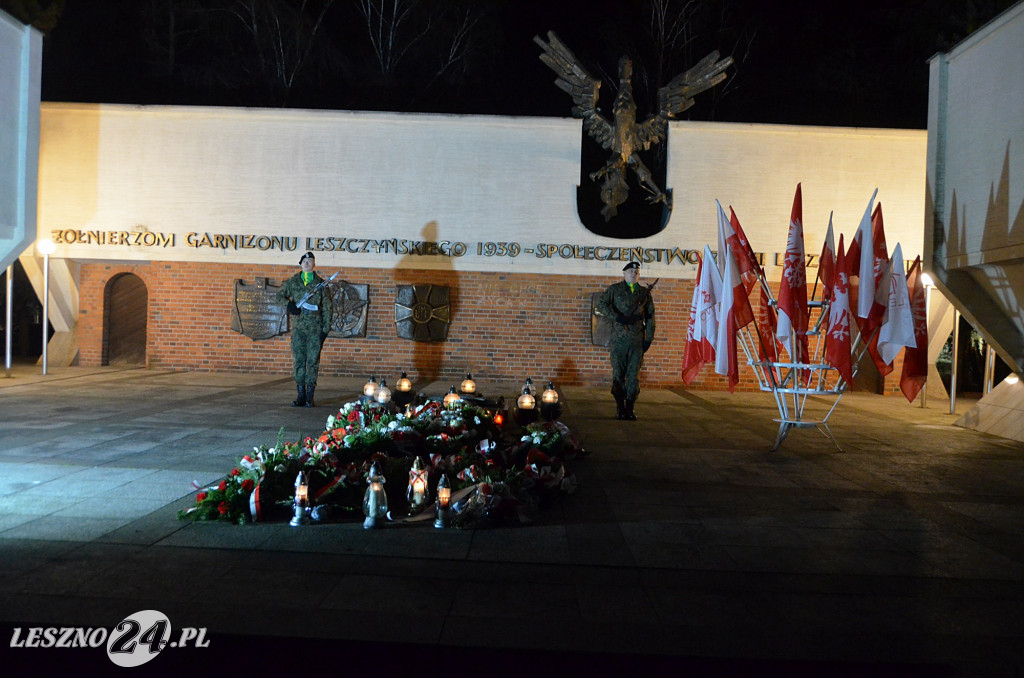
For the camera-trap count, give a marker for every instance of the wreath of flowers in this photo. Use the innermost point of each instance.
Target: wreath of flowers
(502, 477)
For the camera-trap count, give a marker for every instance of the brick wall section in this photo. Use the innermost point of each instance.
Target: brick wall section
(505, 326)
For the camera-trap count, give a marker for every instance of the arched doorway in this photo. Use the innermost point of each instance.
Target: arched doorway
(125, 309)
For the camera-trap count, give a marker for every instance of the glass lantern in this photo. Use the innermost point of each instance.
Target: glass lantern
(370, 387)
(444, 502)
(550, 395)
(375, 501)
(452, 397)
(468, 385)
(526, 400)
(403, 384)
(418, 491)
(300, 502)
(383, 395)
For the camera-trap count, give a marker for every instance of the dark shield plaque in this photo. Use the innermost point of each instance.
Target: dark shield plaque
(350, 306)
(600, 326)
(256, 312)
(422, 312)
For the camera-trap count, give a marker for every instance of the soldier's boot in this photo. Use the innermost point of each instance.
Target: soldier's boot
(620, 408)
(309, 395)
(630, 416)
(300, 401)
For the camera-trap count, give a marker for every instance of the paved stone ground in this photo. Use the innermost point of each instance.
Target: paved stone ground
(688, 549)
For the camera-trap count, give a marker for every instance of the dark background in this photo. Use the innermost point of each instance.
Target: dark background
(797, 61)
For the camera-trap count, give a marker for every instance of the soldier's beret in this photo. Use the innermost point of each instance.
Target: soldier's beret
(632, 264)
(307, 255)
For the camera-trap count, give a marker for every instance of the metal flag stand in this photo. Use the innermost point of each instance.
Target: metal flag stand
(792, 383)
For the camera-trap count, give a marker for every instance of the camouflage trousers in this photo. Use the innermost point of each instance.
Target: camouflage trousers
(306, 345)
(627, 355)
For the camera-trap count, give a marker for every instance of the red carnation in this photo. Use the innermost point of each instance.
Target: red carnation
(222, 507)
(353, 415)
(201, 496)
(223, 485)
(235, 472)
(247, 484)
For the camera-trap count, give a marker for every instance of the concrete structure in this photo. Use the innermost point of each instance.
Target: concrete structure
(974, 219)
(21, 51)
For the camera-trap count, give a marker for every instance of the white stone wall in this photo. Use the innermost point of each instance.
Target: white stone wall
(364, 177)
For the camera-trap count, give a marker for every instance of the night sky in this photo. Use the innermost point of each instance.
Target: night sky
(856, 64)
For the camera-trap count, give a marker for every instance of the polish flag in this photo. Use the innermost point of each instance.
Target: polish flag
(793, 287)
(862, 260)
(734, 314)
(837, 346)
(915, 359)
(897, 328)
(827, 262)
(699, 349)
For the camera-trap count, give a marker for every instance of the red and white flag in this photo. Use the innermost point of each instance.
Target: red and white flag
(793, 287)
(897, 328)
(862, 261)
(767, 323)
(703, 330)
(734, 313)
(837, 346)
(915, 359)
(880, 307)
(880, 268)
(698, 349)
(827, 262)
(750, 268)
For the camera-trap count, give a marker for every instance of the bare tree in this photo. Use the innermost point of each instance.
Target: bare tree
(170, 27)
(283, 33)
(393, 29)
(682, 31)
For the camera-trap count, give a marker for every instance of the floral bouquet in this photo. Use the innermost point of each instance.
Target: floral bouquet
(503, 478)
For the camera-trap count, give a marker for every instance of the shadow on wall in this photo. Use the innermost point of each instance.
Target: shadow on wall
(980, 266)
(428, 353)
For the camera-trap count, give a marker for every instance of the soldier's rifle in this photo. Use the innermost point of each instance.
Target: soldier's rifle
(313, 291)
(632, 310)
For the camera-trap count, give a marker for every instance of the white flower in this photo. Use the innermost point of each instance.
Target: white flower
(330, 421)
(477, 420)
(393, 425)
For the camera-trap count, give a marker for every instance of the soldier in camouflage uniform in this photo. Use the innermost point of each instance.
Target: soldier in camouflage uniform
(310, 326)
(630, 306)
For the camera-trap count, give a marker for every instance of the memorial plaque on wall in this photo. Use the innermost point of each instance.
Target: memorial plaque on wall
(256, 312)
(351, 303)
(422, 312)
(600, 326)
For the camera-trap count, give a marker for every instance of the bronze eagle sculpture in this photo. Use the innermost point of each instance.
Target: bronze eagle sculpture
(622, 135)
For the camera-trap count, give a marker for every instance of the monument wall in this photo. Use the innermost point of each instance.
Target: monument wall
(192, 200)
